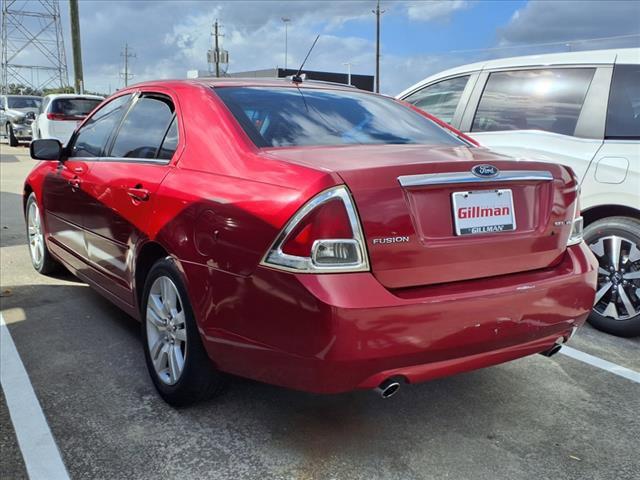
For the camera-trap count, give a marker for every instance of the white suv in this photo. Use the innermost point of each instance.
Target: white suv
(581, 109)
(60, 114)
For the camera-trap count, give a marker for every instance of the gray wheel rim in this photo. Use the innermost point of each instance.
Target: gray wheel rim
(36, 239)
(618, 294)
(166, 330)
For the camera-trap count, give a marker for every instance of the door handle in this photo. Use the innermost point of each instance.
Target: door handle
(139, 194)
(74, 182)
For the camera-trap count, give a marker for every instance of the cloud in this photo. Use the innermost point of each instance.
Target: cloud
(429, 10)
(171, 37)
(560, 21)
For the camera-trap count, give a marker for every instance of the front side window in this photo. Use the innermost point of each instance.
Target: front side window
(144, 128)
(545, 99)
(440, 99)
(623, 112)
(93, 136)
(287, 116)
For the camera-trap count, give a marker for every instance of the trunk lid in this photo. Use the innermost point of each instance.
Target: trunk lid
(404, 195)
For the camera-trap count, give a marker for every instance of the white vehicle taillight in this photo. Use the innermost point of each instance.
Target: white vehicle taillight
(575, 237)
(324, 236)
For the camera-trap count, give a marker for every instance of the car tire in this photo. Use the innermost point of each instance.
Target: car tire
(41, 259)
(177, 361)
(615, 241)
(11, 138)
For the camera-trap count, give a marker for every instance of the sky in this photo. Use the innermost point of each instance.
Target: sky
(418, 38)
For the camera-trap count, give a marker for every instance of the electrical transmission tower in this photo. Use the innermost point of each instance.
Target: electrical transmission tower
(33, 52)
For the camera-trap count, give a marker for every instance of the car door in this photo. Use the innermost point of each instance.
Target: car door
(124, 183)
(614, 176)
(36, 126)
(551, 114)
(2, 108)
(65, 198)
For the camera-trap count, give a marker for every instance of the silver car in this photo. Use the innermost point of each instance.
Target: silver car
(17, 113)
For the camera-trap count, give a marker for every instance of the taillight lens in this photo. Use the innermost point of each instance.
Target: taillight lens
(62, 116)
(323, 236)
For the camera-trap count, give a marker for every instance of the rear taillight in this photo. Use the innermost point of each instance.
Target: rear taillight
(61, 116)
(575, 237)
(324, 236)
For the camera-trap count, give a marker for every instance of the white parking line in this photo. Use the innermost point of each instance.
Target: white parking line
(602, 364)
(39, 451)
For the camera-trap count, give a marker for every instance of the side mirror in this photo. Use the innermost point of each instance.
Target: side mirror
(46, 149)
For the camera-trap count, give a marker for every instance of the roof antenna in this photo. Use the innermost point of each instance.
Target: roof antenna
(297, 78)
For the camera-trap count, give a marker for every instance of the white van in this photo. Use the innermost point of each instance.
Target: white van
(581, 109)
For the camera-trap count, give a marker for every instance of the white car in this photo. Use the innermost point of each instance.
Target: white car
(60, 114)
(581, 109)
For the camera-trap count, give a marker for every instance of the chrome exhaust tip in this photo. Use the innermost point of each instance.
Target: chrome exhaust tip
(555, 349)
(388, 388)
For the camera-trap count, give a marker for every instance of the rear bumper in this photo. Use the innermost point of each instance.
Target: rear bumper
(334, 333)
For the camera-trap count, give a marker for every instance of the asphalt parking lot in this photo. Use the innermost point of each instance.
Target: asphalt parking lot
(536, 417)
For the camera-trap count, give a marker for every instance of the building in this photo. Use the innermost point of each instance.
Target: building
(363, 82)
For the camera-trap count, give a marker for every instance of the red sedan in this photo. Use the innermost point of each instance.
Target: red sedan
(308, 235)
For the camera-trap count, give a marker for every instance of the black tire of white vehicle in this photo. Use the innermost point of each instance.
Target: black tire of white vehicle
(614, 275)
(42, 262)
(11, 138)
(198, 380)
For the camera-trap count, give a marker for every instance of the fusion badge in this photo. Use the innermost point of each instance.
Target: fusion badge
(388, 240)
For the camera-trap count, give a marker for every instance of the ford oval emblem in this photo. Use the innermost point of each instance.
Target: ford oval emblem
(485, 171)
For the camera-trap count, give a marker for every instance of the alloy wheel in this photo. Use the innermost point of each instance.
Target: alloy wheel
(618, 294)
(36, 239)
(166, 330)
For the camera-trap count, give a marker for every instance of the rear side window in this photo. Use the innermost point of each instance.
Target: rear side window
(288, 116)
(545, 99)
(440, 99)
(74, 107)
(93, 135)
(170, 142)
(144, 128)
(623, 112)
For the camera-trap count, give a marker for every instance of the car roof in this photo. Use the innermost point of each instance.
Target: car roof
(590, 57)
(244, 82)
(73, 95)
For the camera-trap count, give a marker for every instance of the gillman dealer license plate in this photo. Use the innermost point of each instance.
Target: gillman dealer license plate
(484, 211)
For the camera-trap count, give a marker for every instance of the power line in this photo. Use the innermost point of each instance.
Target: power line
(566, 42)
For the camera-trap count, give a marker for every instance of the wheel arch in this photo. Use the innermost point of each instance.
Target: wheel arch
(149, 253)
(603, 211)
(26, 192)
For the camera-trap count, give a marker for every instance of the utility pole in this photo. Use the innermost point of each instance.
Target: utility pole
(348, 65)
(76, 47)
(216, 49)
(127, 56)
(378, 12)
(286, 21)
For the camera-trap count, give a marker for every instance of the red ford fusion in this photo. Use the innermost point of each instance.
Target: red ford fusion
(308, 235)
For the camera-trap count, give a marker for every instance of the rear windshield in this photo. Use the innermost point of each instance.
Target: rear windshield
(23, 102)
(278, 117)
(74, 107)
